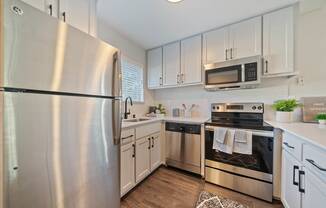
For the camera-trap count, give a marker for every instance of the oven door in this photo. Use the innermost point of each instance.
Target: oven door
(223, 76)
(258, 165)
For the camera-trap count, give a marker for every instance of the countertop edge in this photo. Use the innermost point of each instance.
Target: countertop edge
(308, 137)
(198, 121)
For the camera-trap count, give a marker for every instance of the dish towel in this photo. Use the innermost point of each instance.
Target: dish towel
(243, 142)
(219, 136)
(227, 146)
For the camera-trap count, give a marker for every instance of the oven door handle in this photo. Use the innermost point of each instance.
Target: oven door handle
(254, 132)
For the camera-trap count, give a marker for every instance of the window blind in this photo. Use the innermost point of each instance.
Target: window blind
(132, 80)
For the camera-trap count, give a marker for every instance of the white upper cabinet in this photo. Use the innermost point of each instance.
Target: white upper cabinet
(191, 55)
(232, 42)
(78, 13)
(278, 42)
(75, 13)
(215, 46)
(154, 68)
(246, 38)
(171, 64)
(39, 4)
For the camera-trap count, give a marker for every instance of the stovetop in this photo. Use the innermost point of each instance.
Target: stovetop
(242, 125)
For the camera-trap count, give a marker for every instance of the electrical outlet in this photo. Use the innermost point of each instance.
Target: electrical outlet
(300, 81)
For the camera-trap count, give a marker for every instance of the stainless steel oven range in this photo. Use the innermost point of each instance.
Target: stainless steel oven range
(250, 174)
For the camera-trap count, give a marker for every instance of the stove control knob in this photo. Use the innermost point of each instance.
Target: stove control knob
(260, 107)
(254, 107)
(213, 107)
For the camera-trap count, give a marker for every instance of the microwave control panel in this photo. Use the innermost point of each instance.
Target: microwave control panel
(251, 72)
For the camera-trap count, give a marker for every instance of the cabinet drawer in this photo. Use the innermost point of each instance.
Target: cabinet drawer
(293, 145)
(127, 136)
(148, 129)
(314, 159)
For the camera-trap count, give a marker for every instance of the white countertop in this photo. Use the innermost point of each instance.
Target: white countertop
(168, 119)
(312, 133)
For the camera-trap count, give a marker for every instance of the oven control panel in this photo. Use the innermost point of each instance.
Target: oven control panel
(238, 107)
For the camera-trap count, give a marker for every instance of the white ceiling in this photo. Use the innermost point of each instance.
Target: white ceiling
(151, 23)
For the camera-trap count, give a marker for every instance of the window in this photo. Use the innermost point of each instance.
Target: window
(132, 80)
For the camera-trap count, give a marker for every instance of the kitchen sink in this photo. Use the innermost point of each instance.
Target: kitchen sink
(134, 120)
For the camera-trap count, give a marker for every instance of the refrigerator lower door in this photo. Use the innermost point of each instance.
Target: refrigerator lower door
(59, 152)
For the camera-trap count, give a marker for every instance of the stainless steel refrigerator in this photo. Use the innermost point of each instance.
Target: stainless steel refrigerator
(60, 114)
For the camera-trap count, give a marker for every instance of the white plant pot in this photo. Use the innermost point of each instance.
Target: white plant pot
(284, 117)
(322, 122)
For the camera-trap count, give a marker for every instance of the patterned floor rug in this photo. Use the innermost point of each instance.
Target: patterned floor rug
(209, 200)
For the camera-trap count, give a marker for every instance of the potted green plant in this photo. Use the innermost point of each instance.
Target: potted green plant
(284, 109)
(321, 118)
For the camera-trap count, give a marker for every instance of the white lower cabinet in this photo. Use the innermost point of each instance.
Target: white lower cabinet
(303, 174)
(155, 151)
(142, 158)
(314, 191)
(291, 196)
(139, 156)
(127, 167)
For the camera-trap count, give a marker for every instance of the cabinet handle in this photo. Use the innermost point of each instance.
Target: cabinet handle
(51, 9)
(226, 54)
(182, 78)
(134, 149)
(231, 53)
(64, 16)
(301, 173)
(287, 144)
(316, 165)
(294, 170)
(127, 137)
(161, 81)
(152, 142)
(266, 66)
(178, 79)
(149, 143)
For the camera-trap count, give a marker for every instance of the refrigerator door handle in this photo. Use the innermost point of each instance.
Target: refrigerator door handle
(117, 77)
(116, 121)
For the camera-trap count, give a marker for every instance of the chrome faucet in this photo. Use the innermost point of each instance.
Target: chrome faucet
(126, 112)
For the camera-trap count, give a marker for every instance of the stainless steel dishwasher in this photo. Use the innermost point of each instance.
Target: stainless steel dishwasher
(183, 146)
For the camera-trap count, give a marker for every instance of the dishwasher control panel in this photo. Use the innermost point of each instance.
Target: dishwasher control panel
(182, 128)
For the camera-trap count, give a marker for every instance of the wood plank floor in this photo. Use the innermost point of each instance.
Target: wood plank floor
(170, 188)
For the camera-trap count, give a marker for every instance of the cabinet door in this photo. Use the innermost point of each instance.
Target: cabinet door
(278, 42)
(127, 167)
(245, 38)
(142, 158)
(191, 68)
(39, 4)
(75, 13)
(215, 46)
(154, 68)
(315, 195)
(155, 151)
(290, 196)
(171, 64)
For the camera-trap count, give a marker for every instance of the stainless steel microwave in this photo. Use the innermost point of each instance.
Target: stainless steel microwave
(233, 74)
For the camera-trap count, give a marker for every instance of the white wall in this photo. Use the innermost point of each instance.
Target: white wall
(310, 61)
(132, 51)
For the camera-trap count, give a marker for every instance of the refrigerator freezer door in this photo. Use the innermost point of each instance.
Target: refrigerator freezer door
(59, 152)
(44, 53)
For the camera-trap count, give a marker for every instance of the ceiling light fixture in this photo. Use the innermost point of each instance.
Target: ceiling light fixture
(174, 1)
